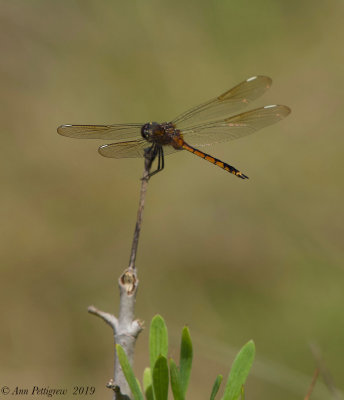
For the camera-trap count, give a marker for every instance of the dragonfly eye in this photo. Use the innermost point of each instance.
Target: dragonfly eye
(148, 130)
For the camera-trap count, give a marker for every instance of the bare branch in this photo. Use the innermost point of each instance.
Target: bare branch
(324, 372)
(314, 380)
(108, 318)
(144, 184)
(126, 329)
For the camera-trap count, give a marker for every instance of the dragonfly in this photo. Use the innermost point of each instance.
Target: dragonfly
(206, 124)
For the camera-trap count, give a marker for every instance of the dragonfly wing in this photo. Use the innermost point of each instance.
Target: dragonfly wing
(227, 103)
(237, 126)
(131, 149)
(115, 132)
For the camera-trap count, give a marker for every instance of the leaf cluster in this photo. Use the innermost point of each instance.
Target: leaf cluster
(164, 371)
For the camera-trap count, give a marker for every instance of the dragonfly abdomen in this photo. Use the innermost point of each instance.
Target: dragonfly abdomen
(214, 161)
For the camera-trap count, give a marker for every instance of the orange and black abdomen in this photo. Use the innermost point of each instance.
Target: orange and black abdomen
(214, 161)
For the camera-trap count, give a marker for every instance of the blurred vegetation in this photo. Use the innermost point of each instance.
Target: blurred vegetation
(234, 260)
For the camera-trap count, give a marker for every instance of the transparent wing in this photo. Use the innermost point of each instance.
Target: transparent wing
(115, 132)
(131, 149)
(235, 127)
(227, 103)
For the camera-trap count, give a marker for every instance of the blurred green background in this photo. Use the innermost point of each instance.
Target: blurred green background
(233, 259)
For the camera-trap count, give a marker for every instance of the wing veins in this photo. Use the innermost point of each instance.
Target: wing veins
(235, 127)
(114, 132)
(228, 102)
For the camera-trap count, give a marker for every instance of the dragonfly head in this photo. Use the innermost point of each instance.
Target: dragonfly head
(150, 130)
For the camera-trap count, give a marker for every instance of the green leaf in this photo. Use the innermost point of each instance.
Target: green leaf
(147, 384)
(158, 341)
(239, 371)
(185, 360)
(160, 378)
(128, 373)
(147, 378)
(175, 381)
(216, 387)
(139, 385)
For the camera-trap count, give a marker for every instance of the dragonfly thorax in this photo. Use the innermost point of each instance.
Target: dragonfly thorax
(160, 134)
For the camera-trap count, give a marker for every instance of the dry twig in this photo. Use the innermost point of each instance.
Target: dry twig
(126, 329)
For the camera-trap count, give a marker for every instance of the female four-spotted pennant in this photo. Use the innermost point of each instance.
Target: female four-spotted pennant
(203, 125)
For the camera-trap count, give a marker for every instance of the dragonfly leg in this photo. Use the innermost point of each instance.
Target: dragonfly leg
(160, 153)
(162, 159)
(150, 155)
(159, 159)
